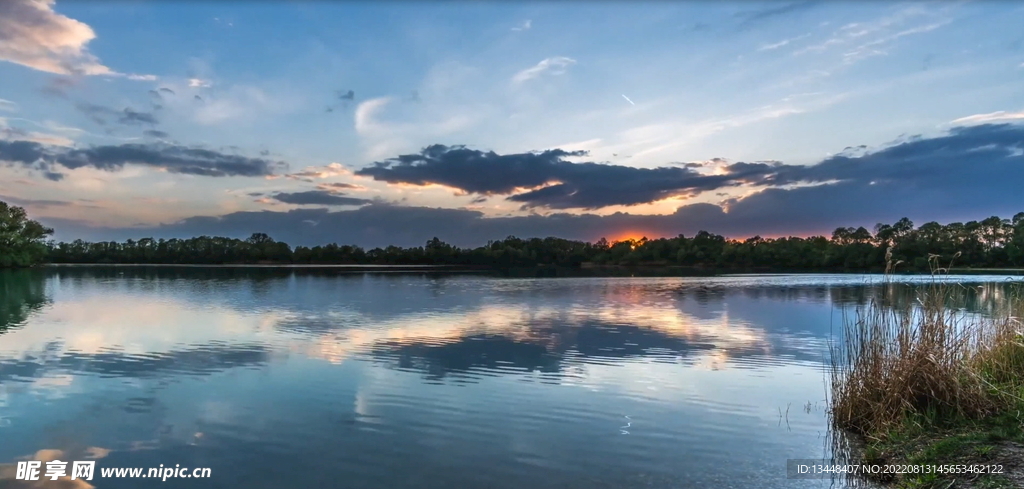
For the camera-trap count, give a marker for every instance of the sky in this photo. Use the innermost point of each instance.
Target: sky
(391, 123)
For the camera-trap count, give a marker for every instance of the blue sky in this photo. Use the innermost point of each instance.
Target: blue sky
(150, 117)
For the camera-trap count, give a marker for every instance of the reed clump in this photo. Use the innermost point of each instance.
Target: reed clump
(926, 363)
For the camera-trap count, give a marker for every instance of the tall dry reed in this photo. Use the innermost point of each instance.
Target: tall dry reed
(925, 361)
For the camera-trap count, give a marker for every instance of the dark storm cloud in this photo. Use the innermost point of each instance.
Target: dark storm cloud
(318, 197)
(563, 184)
(968, 174)
(173, 158)
(153, 133)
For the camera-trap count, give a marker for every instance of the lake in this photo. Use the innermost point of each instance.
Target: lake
(277, 377)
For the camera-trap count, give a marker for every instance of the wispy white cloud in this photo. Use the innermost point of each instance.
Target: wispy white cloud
(386, 128)
(557, 65)
(232, 103)
(8, 106)
(8, 132)
(871, 38)
(874, 48)
(525, 26)
(652, 144)
(782, 43)
(364, 116)
(999, 116)
(199, 83)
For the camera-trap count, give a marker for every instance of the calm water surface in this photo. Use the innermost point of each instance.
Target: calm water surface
(298, 378)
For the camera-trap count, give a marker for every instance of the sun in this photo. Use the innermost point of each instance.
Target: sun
(633, 236)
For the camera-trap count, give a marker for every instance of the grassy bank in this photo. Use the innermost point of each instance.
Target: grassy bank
(928, 383)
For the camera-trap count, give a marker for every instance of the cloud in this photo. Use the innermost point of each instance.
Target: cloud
(877, 46)
(199, 83)
(34, 202)
(11, 133)
(551, 181)
(138, 77)
(312, 173)
(169, 157)
(236, 103)
(386, 127)
(103, 115)
(778, 10)
(318, 197)
(8, 106)
(59, 86)
(153, 133)
(33, 35)
(131, 117)
(782, 43)
(1000, 116)
(364, 116)
(552, 66)
(339, 186)
(965, 174)
(525, 26)
(97, 113)
(874, 38)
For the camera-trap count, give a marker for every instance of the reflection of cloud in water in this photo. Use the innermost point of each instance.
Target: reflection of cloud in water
(127, 323)
(546, 339)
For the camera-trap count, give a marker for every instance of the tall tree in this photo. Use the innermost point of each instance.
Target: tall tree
(22, 240)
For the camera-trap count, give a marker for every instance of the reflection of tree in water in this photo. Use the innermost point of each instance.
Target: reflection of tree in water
(983, 298)
(22, 292)
(545, 350)
(973, 297)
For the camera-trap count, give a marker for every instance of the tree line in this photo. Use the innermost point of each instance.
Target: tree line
(990, 243)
